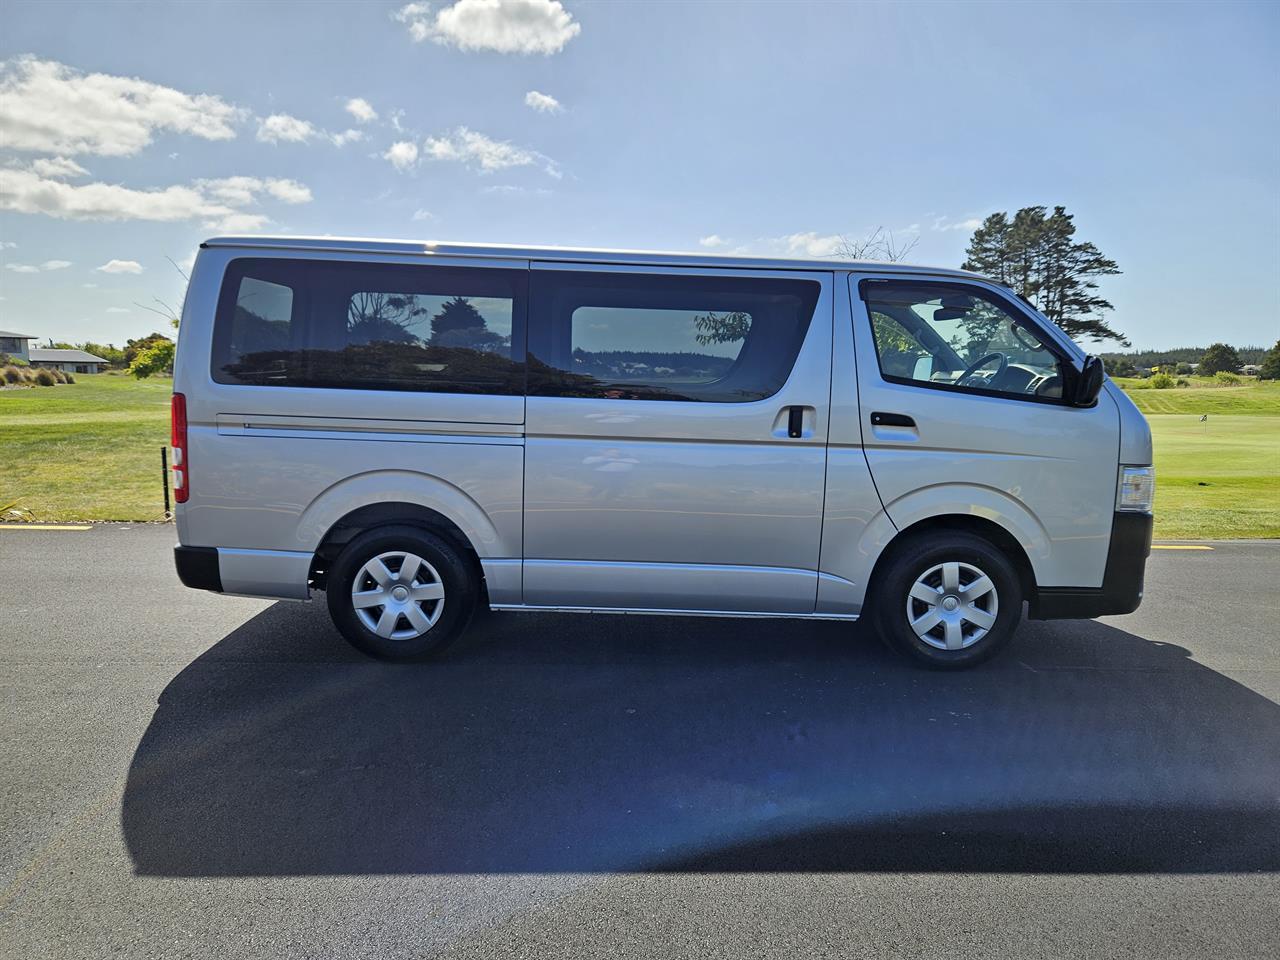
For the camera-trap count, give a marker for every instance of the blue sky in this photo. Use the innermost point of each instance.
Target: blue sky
(130, 131)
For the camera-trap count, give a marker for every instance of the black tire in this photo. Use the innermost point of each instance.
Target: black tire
(460, 583)
(917, 555)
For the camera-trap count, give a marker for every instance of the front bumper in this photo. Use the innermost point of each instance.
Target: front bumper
(1121, 590)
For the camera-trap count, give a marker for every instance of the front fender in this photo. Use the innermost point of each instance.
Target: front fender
(975, 500)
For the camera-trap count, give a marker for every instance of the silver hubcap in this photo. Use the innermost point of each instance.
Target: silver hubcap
(398, 595)
(952, 606)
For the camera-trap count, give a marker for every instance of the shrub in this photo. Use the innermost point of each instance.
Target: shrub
(1222, 376)
(44, 378)
(1184, 382)
(70, 378)
(59, 376)
(157, 358)
(12, 374)
(1161, 381)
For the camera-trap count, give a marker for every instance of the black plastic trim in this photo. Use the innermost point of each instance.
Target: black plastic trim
(891, 420)
(1122, 583)
(198, 567)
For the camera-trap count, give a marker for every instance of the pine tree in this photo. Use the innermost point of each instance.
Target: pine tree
(1271, 364)
(1219, 358)
(455, 315)
(1037, 255)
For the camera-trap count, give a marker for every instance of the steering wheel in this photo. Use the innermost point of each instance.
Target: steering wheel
(981, 362)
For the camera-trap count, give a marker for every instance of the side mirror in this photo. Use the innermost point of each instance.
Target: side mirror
(1089, 383)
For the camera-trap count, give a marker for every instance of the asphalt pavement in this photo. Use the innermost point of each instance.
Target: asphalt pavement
(184, 774)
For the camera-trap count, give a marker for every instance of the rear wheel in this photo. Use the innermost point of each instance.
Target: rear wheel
(401, 593)
(947, 600)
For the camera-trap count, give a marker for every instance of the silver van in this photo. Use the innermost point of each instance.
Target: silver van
(420, 428)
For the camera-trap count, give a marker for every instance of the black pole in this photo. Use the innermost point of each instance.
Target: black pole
(164, 476)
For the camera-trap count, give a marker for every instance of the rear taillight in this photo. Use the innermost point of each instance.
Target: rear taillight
(178, 438)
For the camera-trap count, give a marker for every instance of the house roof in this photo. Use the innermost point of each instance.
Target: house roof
(64, 356)
(18, 336)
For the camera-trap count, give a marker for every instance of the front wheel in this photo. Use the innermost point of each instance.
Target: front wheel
(947, 600)
(401, 593)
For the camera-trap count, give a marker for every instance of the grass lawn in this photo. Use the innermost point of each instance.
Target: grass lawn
(1206, 396)
(1219, 479)
(91, 451)
(85, 451)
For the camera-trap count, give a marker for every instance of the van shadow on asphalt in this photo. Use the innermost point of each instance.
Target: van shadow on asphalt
(547, 743)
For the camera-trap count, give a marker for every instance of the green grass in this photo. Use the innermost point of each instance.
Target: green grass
(1252, 397)
(1217, 480)
(85, 451)
(91, 451)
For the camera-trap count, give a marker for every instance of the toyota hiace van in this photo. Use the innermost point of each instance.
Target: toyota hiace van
(416, 429)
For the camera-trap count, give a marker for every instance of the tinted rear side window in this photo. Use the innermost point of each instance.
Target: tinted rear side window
(307, 323)
(665, 337)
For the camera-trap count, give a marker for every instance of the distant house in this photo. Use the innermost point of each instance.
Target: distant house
(15, 344)
(68, 361)
(1251, 369)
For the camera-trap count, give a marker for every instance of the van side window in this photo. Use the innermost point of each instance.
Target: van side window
(953, 336)
(370, 327)
(632, 336)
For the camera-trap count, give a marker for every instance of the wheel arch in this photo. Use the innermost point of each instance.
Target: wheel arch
(385, 498)
(984, 527)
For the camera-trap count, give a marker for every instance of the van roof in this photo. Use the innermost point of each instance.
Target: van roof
(569, 254)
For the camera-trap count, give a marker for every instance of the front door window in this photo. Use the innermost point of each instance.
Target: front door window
(953, 336)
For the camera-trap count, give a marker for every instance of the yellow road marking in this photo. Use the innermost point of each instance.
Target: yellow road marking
(48, 526)
(1178, 546)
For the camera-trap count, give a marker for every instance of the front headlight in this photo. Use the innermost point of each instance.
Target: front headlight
(1137, 489)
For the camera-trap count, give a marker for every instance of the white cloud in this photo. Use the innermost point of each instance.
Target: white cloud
(423, 215)
(504, 26)
(57, 168)
(242, 222)
(512, 189)
(943, 224)
(361, 109)
(48, 107)
(350, 135)
(118, 310)
(713, 240)
(88, 286)
(287, 191)
(812, 244)
(34, 268)
(476, 150)
(217, 203)
(542, 102)
(120, 266)
(280, 127)
(245, 191)
(7, 244)
(403, 155)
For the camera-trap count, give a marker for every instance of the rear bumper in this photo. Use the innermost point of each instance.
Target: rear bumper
(198, 567)
(280, 574)
(1121, 590)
